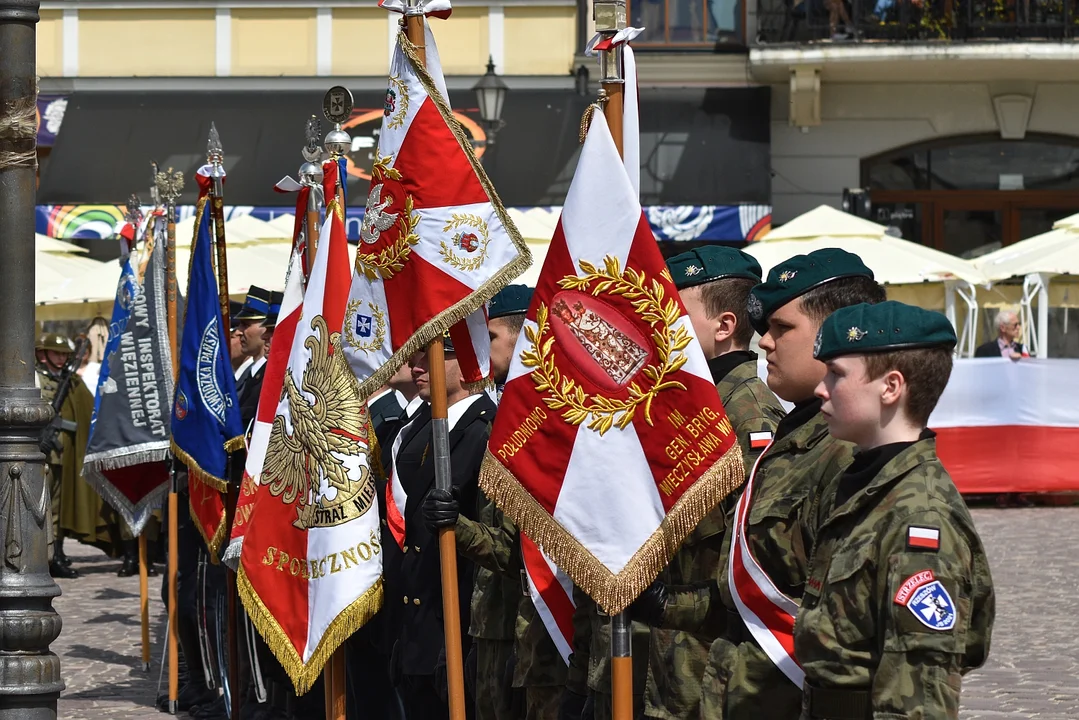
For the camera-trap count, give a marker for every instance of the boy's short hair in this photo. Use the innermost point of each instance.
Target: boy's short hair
(925, 370)
(730, 295)
(823, 300)
(515, 322)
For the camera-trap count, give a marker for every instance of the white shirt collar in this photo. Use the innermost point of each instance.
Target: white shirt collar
(374, 398)
(457, 410)
(243, 366)
(257, 364)
(412, 405)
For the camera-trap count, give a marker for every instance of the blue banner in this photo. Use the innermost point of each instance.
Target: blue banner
(206, 422)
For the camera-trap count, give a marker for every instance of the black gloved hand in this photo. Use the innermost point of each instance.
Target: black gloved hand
(572, 705)
(440, 509)
(650, 604)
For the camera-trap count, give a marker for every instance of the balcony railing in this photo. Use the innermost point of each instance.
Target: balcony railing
(842, 21)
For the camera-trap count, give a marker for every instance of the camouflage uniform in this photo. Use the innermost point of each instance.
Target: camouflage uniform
(740, 680)
(677, 659)
(864, 653)
(540, 670)
(490, 543)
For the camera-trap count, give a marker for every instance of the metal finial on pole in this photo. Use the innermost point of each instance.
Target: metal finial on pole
(311, 177)
(338, 108)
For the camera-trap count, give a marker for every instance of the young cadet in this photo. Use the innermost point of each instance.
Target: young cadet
(898, 603)
(714, 284)
(751, 671)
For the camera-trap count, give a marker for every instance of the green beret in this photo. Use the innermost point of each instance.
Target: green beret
(712, 262)
(510, 300)
(884, 327)
(798, 275)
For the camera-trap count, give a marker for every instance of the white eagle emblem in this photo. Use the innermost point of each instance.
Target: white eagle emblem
(375, 218)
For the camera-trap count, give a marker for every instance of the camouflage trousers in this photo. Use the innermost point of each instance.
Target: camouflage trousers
(742, 683)
(543, 702)
(605, 710)
(494, 696)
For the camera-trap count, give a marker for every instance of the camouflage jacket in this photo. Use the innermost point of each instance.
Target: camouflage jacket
(490, 544)
(676, 658)
(539, 664)
(590, 662)
(899, 601)
(792, 476)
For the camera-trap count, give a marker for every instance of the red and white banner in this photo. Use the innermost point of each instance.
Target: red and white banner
(272, 381)
(610, 442)
(1005, 426)
(436, 243)
(311, 564)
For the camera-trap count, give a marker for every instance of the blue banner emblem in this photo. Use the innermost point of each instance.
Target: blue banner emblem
(933, 607)
(363, 325)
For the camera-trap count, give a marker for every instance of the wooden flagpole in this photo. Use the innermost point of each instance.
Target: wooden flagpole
(610, 17)
(215, 157)
(447, 539)
(169, 184)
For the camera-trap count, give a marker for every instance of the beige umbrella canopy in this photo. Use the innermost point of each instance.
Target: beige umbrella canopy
(537, 226)
(911, 272)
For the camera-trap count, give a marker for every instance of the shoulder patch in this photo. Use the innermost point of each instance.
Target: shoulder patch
(927, 600)
(923, 538)
(760, 440)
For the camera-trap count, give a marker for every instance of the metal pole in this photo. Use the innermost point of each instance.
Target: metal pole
(168, 185)
(30, 682)
(610, 17)
(144, 602)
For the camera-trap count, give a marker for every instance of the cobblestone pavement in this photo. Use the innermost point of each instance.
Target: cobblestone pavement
(1032, 672)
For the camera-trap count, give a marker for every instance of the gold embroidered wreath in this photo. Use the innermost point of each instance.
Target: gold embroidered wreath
(465, 263)
(397, 120)
(380, 326)
(652, 306)
(388, 261)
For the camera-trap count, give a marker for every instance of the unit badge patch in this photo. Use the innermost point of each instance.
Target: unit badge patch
(927, 600)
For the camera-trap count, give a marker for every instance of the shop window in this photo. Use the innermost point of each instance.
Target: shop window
(683, 24)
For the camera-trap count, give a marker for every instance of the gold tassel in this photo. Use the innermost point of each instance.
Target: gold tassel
(347, 622)
(586, 122)
(612, 592)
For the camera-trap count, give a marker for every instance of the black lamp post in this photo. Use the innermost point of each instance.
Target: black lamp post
(491, 94)
(30, 680)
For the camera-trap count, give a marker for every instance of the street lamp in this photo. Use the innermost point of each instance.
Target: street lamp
(491, 94)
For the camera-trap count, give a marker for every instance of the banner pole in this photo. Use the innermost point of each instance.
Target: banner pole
(144, 603)
(440, 436)
(169, 184)
(610, 17)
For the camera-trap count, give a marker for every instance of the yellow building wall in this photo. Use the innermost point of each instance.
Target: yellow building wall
(274, 41)
(538, 40)
(463, 43)
(50, 44)
(361, 43)
(146, 42)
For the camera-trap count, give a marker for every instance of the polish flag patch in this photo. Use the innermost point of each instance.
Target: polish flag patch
(923, 538)
(760, 440)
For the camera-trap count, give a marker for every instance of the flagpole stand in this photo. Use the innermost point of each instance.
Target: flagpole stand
(610, 18)
(144, 602)
(168, 185)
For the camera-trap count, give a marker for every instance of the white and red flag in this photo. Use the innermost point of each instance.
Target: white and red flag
(436, 242)
(611, 442)
(311, 563)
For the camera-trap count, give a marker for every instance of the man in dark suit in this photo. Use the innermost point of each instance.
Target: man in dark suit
(411, 561)
(249, 321)
(1007, 343)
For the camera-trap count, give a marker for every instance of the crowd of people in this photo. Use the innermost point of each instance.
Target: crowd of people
(844, 579)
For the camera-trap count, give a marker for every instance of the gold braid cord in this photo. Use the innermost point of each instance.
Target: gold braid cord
(391, 259)
(347, 622)
(653, 307)
(444, 320)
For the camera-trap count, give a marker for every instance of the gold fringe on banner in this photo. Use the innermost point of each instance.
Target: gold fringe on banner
(444, 320)
(193, 468)
(348, 621)
(236, 443)
(612, 592)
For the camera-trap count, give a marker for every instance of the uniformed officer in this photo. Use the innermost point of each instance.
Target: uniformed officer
(714, 284)
(898, 601)
(249, 322)
(411, 565)
(491, 543)
(763, 564)
(64, 457)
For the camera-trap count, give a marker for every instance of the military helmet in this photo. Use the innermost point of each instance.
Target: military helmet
(55, 341)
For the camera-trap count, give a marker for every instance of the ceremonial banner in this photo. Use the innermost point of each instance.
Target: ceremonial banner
(129, 433)
(436, 243)
(311, 563)
(206, 422)
(272, 382)
(610, 442)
